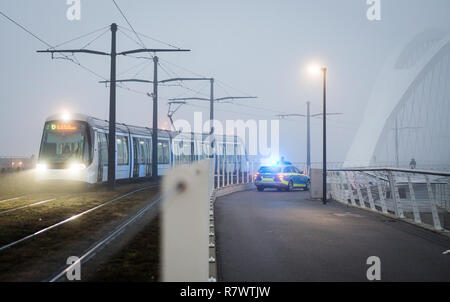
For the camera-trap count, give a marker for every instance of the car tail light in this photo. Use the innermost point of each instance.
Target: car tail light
(278, 177)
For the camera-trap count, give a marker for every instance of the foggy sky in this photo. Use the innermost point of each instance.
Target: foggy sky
(260, 48)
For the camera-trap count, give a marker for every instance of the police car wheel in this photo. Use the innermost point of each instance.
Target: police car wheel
(290, 187)
(260, 188)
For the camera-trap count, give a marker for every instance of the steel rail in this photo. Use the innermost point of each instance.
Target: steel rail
(27, 206)
(9, 199)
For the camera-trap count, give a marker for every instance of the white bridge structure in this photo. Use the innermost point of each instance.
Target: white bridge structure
(407, 115)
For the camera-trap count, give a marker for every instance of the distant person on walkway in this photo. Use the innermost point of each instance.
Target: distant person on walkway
(412, 163)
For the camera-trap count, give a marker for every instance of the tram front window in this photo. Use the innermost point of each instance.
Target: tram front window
(64, 143)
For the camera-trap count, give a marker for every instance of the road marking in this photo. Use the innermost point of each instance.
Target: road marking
(4, 200)
(30, 205)
(347, 214)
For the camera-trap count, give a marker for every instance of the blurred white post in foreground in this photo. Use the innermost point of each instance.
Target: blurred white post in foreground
(185, 222)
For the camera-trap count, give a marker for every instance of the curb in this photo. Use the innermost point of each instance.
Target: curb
(219, 192)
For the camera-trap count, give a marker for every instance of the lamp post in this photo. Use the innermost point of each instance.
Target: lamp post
(316, 69)
(324, 197)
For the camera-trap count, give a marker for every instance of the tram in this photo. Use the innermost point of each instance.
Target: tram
(75, 148)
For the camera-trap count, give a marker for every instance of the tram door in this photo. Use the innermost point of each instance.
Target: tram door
(136, 161)
(123, 159)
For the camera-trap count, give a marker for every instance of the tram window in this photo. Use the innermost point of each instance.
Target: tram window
(163, 152)
(87, 151)
(122, 150)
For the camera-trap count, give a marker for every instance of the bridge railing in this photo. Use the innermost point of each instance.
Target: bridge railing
(422, 197)
(231, 173)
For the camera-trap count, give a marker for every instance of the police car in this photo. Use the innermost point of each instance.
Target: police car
(281, 177)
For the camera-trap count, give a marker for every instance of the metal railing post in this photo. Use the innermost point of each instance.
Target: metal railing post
(358, 191)
(331, 182)
(247, 169)
(381, 196)
(434, 212)
(232, 176)
(335, 188)
(332, 191)
(343, 196)
(241, 181)
(413, 201)
(352, 197)
(339, 186)
(395, 195)
(223, 171)
(369, 194)
(252, 174)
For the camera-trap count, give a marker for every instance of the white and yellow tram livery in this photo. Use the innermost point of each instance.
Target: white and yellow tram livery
(76, 149)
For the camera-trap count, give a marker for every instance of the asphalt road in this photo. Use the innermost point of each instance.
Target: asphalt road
(283, 236)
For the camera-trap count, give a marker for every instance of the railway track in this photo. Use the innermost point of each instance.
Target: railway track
(73, 217)
(86, 256)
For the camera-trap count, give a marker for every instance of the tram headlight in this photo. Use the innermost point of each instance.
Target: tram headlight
(41, 167)
(65, 116)
(77, 166)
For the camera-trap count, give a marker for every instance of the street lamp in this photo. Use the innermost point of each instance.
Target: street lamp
(317, 69)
